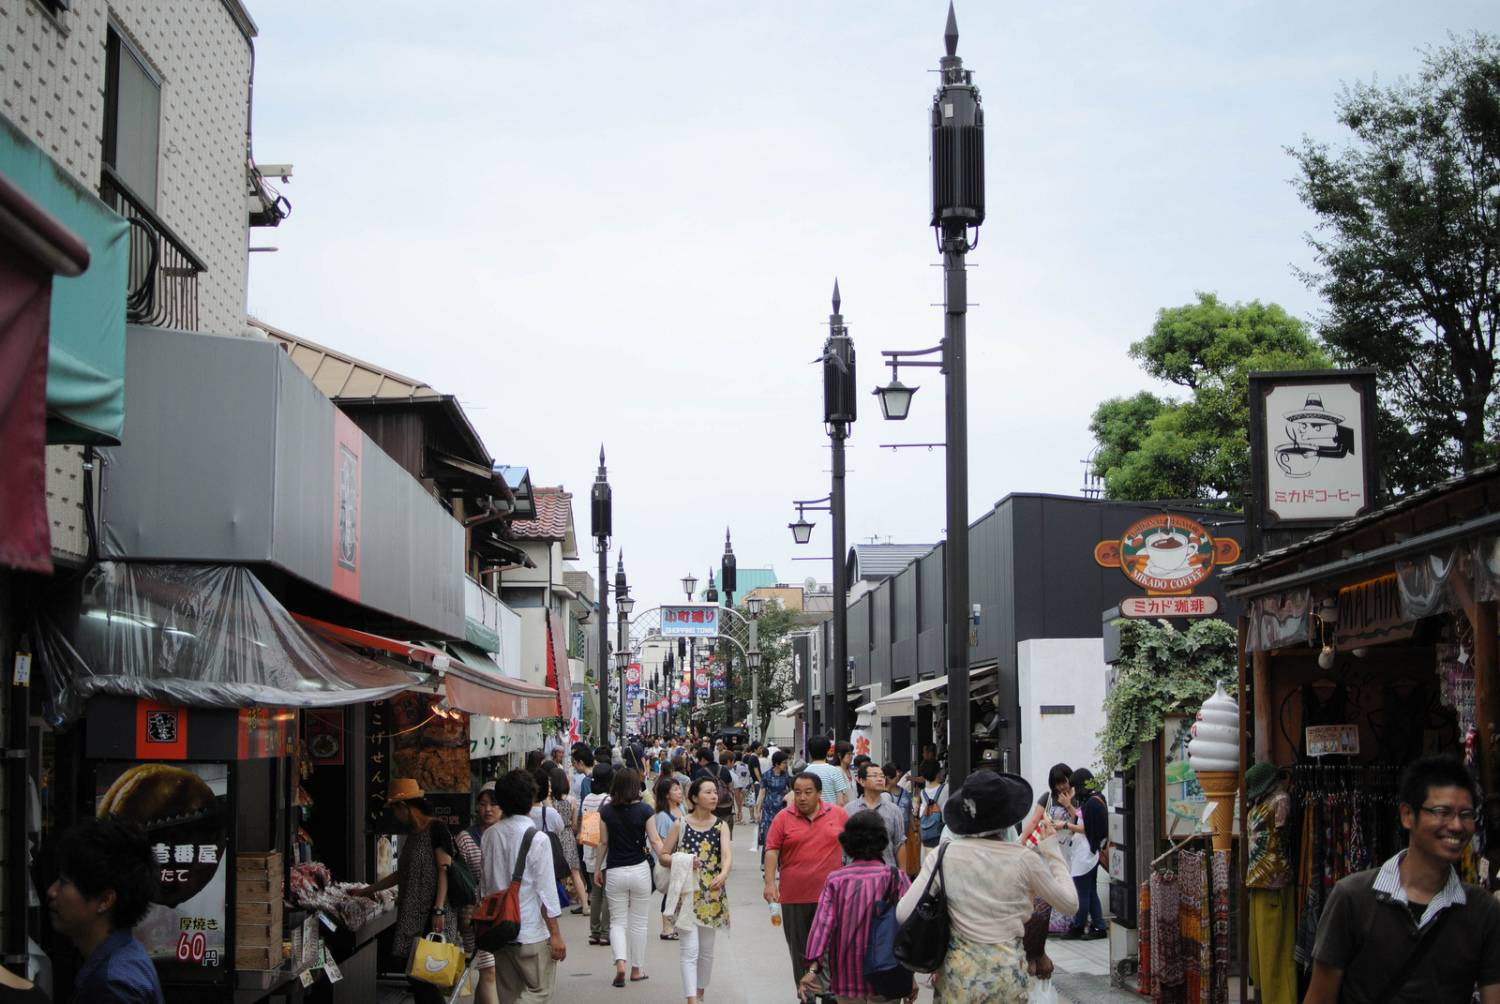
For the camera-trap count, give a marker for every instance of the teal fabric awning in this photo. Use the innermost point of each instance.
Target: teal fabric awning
(86, 349)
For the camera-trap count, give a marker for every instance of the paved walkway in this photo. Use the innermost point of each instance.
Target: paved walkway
(751, 965)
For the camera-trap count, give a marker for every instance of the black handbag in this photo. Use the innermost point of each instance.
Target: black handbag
(922, 943)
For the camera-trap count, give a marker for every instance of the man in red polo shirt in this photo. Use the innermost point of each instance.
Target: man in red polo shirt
(803, 846)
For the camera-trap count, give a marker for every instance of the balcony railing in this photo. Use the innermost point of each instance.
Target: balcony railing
(162, 289)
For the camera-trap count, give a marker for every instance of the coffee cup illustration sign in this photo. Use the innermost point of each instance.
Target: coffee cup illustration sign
(1167, 554)
(1313, 434)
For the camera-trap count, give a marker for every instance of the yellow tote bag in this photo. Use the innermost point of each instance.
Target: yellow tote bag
(436, 960)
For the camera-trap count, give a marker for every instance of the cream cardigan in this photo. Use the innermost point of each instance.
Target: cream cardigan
(991, 883)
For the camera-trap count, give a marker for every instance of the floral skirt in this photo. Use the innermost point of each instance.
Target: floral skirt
(977, 973)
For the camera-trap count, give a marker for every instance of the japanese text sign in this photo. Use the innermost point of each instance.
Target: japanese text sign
(690, 621)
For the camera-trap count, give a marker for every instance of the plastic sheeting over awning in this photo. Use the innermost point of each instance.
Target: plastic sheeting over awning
(86, 347)
(205, 636)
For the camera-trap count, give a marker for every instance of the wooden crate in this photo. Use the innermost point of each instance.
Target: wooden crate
(258, 862)
(256, 911)
(248, 935)
(249, 957)
(263, 888)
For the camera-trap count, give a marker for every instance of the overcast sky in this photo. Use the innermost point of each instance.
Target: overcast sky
(621, 222)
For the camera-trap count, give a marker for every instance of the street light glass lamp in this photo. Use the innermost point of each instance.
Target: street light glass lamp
(753, 658)
(622, 659)
(754, 604)
(801, 530)
(624, 604)
(690, 585)
(895, 400)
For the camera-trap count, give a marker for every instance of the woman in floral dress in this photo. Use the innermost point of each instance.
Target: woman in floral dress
(773, 788)
(706, 838)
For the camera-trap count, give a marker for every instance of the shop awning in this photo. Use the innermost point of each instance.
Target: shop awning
(34, 246)
(791, 710)
(904, 701)
(86, 341)
(426, 655)
(498, 696)
(201, 636)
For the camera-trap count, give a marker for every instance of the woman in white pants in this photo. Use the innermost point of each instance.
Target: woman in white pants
(623, 868)
(704, 836)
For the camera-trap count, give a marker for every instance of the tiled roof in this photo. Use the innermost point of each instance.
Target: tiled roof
(554, 517)
(342, 376)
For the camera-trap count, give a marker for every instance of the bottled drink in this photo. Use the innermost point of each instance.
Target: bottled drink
(775, 914)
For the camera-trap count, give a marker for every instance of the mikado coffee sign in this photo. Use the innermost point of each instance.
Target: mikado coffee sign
(1168, 556)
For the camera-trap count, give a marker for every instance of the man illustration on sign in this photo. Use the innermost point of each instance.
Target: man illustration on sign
(1314, 433)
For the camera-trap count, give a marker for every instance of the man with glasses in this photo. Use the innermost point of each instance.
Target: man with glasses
(1410, 931)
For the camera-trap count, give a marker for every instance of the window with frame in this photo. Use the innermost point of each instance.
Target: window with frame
(132, 117)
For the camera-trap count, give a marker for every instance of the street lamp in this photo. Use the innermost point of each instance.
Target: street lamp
(755, 604)
(711, 594)
(802, 529)
(957, 123)
(600, 511)
(689, 585)
(624, 604)
(727, 574)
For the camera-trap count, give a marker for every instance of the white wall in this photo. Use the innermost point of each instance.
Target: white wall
(1056, 671)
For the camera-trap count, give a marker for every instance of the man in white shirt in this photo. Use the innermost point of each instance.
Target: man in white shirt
(526, 971)
(836, 787)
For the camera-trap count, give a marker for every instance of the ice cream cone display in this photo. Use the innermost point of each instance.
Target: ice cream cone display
(1214, 755)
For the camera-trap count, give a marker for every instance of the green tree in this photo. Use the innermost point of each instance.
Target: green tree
(1197, 448)
(1408, 248)
(777, 683)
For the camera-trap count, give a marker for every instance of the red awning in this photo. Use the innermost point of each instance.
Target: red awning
(422, 654)
(498, 696)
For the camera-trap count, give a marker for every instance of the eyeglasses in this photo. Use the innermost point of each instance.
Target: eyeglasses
(1446, 813)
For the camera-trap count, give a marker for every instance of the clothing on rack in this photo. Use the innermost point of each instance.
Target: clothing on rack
(1184, 929)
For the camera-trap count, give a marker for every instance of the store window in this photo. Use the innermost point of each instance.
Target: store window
(132, 117)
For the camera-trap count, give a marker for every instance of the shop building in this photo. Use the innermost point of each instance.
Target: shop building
(1044, 569)
(1365, 646)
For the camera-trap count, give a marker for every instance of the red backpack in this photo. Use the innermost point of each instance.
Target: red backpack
(497, 918)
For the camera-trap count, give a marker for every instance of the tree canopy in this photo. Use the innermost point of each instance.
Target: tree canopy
(1408, 249)
(1152, 447)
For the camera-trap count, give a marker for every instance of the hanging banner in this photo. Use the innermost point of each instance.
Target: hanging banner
(701, 682)
(690, 621)
(720, 677)
(575, 721)
(632, 683)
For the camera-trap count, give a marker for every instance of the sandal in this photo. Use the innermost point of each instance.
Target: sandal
(619, 980)
(637, 979)
(669, 937)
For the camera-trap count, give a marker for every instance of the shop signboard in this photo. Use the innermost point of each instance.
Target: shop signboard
(691, 620)
(1369, 613)
(183, 809)
(1312, 445)
(1167, 555)
(323, 731)
(1168, 606)
(423, 742)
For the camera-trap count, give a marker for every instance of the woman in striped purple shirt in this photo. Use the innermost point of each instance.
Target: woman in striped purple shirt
(841, 925)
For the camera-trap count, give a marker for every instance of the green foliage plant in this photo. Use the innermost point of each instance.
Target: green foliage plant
(1162, 671)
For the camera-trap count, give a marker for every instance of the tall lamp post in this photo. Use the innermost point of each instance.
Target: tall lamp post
(753, 606)
(711, 594)
(690, 586)
(600, 509)
(957, 122)
(839, 413)
(727, 582)
(624, 604)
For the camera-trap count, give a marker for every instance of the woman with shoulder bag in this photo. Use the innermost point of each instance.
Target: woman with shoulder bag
(1090, 840)
(625, 857)
(421, 878)
(668, 811)
(468, 843)
(989, 884)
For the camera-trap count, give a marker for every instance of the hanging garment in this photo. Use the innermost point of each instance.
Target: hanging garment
(1273, 925)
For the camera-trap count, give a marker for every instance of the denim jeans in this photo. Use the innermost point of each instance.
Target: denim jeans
(1090, 910)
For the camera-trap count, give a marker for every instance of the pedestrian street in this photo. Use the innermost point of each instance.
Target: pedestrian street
(751, 965)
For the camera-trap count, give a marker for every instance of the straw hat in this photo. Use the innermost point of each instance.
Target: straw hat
(404, 789)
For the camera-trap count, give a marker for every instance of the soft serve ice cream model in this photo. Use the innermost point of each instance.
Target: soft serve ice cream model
(1214, 755)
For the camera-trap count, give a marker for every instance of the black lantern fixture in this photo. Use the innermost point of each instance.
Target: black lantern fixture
(802, 529)
(601, 505)
(689, 585)
(755, 604)
(957, 128)
(712, 594)
(727, 571)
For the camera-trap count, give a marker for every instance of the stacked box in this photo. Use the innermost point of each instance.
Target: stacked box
(257, 911)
